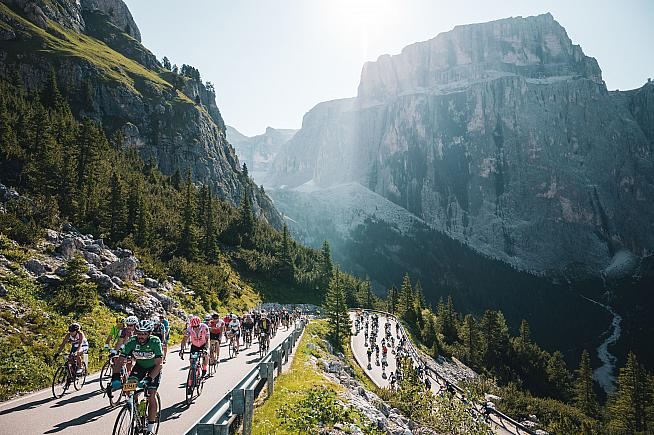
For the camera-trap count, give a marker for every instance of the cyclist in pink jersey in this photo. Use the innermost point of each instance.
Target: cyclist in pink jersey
(198, 333)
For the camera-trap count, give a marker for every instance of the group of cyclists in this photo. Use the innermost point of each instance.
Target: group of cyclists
(138, 348)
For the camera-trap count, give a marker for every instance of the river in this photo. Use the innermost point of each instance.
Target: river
(605, 374)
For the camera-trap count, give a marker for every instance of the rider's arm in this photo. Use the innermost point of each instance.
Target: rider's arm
(63, 343)
(82, 339)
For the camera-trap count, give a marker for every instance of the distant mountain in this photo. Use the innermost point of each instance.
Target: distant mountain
(258, 152)
(502, 135)
(93, 48)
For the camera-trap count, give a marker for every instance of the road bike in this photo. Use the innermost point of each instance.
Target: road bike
(263, 344)
(195, 380)
(67, 375)
(247, 337)
(133, 417)
(117, 396)
(233, 344)
(107, 370)
(214, 357)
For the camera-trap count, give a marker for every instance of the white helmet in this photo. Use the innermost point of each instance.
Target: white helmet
(132, 320)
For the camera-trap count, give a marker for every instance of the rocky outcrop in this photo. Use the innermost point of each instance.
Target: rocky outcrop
(118, 12)
(501, 135)
(258, 152)
(170, 119)
(66, 13)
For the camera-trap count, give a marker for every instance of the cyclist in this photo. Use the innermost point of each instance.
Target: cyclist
(199, 335)
(114, 334)
(264, 327)
(127, 332)
(234, 330)
(78, 344)
(216, 326)
(164, 343)
(207, 319)
(248, 326)
(147, 351)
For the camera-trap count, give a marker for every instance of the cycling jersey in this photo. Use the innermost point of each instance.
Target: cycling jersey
(77, 341)
(216, 326)
(264, 325)
(166, 326)
(115, 333)
(234, 325)
(248, 323)
(144, 354)
(198, 337)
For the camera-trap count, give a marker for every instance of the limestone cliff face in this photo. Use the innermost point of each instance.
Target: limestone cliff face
(504, 136)
(107, 75)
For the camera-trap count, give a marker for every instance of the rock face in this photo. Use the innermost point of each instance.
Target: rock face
(171, 119)
(502, 135)
(119, 14)
(258, 152)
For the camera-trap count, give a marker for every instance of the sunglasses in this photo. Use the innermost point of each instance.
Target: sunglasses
(142, 333)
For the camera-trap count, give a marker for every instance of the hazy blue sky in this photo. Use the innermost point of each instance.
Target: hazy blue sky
(272, 61)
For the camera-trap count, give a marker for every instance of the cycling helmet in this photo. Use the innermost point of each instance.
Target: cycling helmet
(145, 326)
(195, 321)
(234, 316)
(132, 320)
(207, 317)
(74, 327)
(215, 316)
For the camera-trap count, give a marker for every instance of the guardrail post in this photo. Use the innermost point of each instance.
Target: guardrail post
(277, 358)
(238, 401)
(285, 347)
(270, 369)
(248, 411)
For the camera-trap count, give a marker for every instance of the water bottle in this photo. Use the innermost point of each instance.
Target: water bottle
(141, 407)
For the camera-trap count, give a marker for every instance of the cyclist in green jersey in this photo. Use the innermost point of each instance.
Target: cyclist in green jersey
(147, 351)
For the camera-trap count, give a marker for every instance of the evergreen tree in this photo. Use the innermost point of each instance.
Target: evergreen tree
(76, 293)
(428, 332)
(209, 244)
(525, 332)
(326, 267)
(420, 302)
(10, 151)
(558, 377)
(626, 407)
(117, 210)
(494, 334)
(133, 203)
(166, 63)
(176, 179)
(244, 172)
(143, 223)
(51, 97)
(187, 243)
(247, 225)
(392, 299)
(336, 311)
(286, 267)
(406, 305)
(369, 298)
(469, 336)
(585, 398)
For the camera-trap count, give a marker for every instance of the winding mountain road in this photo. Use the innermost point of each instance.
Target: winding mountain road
(87, 411)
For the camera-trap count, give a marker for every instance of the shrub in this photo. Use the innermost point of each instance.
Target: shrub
(76, 293)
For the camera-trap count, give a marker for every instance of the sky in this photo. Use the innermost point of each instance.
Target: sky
(272, 61)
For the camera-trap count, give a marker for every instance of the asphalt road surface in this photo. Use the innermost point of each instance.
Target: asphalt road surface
(87, 411)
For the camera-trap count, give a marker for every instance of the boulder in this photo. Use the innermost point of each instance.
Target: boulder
(92, 247)
(119, 282)
(103, 281)
(52, 236)
(35, 267)
(123, 268)
(67, 248)
(152, 283)
(123, 253)
(49, 280)
(92, 258)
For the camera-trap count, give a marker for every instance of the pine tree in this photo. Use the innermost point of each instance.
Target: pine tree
(286, 268)
(420, 302)
(51, 97)
(10, 151)
(187, 243)
(133, 203)
(585, 398)
(558, 377)
(176, 179)
(247, 227)
(326, 267)
(626, 407)
(406, 305)
(166, 63)
(209, 245)
(244, 172)
(143, 223)
(392, 298)
(117, 210)
(525, 332)
(369, 299)
(76, 293)
(337, 313)
(469, 336)
(428, 332)
(494, 334)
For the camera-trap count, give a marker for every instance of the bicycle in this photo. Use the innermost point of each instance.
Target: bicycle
(105, 372)
(195, 380)
(263, 344)
(66, 375)
(213, 357)
(132, 418)
(115, 400)
(233, 343)
(247, 337)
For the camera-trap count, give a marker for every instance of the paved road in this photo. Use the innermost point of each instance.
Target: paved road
(87, 412)
(359, 350)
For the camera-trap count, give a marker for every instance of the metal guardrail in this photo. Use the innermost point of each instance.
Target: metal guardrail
(236, 408)
(441, 380)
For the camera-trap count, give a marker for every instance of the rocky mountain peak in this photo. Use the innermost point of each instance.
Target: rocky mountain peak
(118, 13)
(536, 47)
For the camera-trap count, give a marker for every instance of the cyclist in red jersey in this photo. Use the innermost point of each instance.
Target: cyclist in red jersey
(216, 325)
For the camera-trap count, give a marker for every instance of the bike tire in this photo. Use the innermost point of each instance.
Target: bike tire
(80, 379)
(231, 349)
(124, 424)
(60, 382)
(200, 382)
(105, 375)
(190, 386)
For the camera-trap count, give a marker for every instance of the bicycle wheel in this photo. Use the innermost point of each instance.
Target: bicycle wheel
(156, 424)
(80, 378)
(232, 349)
(124, 424)
(200, 382)
(105, 375)
(190, 385)
(60, 382)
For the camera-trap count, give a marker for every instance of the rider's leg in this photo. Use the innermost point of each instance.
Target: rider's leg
(152, 409)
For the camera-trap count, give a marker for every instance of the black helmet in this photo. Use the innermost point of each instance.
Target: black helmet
(74, 327)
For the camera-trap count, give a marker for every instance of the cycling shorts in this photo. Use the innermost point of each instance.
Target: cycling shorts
(217, 336)
(248, 326)
(139, 373)
(85, 348)
(200, 348)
